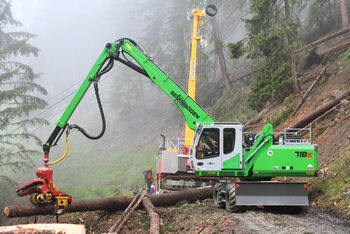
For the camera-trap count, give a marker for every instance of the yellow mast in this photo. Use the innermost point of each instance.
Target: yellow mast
(197, 20)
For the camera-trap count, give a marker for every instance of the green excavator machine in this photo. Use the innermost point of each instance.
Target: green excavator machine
(245, 162)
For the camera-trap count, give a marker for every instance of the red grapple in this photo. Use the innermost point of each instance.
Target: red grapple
(43, 184)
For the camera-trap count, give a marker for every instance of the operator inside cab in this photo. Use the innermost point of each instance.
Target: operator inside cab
(209, 143)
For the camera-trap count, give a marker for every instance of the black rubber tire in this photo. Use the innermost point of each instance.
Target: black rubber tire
(211, 10)
(218, 202)
(231, 198)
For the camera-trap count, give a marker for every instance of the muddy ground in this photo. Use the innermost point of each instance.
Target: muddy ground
(203, 217)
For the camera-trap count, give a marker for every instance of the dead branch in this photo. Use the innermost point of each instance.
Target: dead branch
(126, 211)
(309, 90)
(123, 219)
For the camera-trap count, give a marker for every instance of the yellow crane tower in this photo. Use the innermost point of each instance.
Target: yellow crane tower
(198, 19)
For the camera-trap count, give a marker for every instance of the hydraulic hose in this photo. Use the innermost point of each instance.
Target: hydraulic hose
(95, 80)
(65, 153)
(82, 130)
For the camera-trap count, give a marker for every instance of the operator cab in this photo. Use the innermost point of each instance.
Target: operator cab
(218, 146)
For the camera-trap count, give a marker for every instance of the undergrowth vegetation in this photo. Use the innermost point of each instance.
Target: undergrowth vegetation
(334, 188)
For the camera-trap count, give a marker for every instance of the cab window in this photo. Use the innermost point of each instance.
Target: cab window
(229, 140)
(209, 143)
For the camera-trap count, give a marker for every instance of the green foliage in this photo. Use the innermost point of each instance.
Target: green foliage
(232, 106)
(334, 187)
(272, 82)
(268, 47)
(18, 98)
(283, 116)
(345, 55)
(236, 49)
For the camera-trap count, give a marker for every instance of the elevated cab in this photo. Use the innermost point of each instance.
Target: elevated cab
(218, 146)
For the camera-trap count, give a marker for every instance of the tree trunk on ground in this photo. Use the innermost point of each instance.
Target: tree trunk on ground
(344, 13)
(326, 38)
(154, 216)
(307, 119)
(127, 212)
(335, 48)
(109, 203)
(220, 54)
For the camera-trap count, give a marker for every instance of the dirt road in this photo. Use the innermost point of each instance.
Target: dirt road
(205, 218)
(311, 220)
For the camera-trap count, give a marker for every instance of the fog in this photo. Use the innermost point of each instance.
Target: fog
(71, 34)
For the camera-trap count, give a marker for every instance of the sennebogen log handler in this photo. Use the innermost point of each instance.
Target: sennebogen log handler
(220, 150)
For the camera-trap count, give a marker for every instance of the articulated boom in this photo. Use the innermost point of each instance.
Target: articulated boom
(42, 189)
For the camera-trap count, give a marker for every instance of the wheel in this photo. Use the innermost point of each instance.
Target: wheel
(231, 198)
(211, 10)
(218, 196)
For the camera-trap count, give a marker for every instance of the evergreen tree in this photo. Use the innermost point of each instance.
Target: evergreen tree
(18, 98)
(268, 46)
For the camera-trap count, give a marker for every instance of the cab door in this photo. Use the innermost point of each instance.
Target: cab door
(206, 155)
(231, 157)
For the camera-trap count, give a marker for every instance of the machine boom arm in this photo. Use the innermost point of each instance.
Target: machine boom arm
(192, 112)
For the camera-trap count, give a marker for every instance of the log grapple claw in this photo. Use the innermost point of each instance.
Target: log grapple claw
(43, 191)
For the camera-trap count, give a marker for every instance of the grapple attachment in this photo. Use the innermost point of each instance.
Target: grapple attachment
(43, 191)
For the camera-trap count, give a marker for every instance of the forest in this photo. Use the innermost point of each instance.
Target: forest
(259, 62)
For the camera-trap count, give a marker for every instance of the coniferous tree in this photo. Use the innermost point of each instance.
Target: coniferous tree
(18, 98)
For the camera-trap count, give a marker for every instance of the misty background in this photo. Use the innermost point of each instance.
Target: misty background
(70, 36)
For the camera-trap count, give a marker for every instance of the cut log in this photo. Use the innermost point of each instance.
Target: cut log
(331, 36)
(307, 119)
(43, 228)
(154, 216)
(108, 203)
(335, 48)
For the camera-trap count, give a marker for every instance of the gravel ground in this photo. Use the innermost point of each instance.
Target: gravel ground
(204, 218)
(311, 220)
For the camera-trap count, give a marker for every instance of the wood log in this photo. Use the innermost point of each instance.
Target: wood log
(307, 119)
(326, 38)
(132, 206)
(43, 228)
(108, 203)
(335, 48)
(127, 216)
(154, 216)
